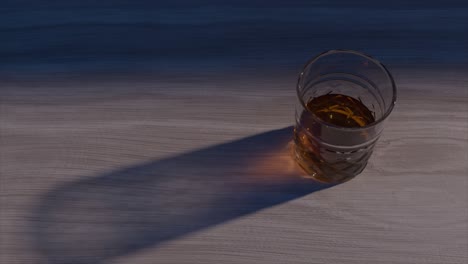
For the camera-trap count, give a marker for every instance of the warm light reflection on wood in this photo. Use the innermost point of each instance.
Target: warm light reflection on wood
(276, 166)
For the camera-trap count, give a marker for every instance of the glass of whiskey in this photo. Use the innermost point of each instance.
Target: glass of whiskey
(343, 98)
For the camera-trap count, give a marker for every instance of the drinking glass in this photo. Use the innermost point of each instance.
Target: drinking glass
(344, 96)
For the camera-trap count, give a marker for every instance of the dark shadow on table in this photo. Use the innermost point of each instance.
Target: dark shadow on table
(123, 211)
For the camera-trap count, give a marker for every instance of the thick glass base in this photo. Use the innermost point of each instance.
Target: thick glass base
(319, 170)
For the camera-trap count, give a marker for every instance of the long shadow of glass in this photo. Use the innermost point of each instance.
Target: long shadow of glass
(120, 212)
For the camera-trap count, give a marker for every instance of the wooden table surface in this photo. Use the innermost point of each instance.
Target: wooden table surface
(165, 173)
(189, 162)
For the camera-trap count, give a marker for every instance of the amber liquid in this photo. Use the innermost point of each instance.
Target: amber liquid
(327, 162)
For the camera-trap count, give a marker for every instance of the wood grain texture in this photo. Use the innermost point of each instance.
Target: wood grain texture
(184, 172)
(150, 132)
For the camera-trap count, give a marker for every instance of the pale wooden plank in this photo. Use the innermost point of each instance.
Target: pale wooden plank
(408, 206)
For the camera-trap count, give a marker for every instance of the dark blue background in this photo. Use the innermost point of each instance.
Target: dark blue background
(184, 36)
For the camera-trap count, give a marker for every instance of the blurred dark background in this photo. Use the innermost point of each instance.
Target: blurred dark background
(40, 38)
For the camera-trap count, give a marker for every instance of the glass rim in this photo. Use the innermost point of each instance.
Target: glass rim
(361, 54)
